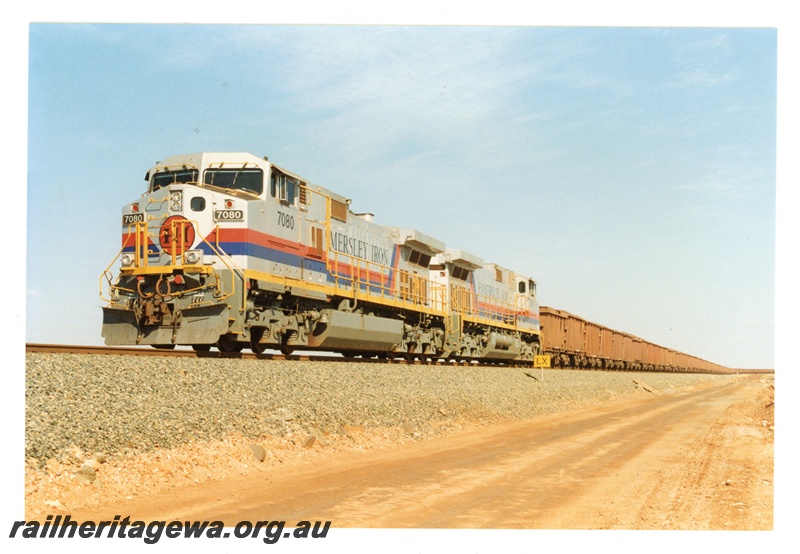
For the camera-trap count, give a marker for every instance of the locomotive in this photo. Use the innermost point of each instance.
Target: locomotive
(229, 250)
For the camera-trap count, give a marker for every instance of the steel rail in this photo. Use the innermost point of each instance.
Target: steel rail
(188, 353)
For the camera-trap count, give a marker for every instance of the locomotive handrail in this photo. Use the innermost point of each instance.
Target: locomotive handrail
(359, 281)
(485, 309)
(360, 284)
(141, 254)
(108, 274)
(225, 257)
(352, 277)
(421, 292)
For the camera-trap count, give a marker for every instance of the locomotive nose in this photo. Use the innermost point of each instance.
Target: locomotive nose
(176, 235)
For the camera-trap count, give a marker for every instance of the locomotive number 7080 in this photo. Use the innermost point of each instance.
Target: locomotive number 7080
(130, 219)
(285, 220)
(229, 215)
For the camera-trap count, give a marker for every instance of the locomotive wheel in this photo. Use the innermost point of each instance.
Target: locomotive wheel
(286, 349)
(201, 347)
(426, 356)
(164, 346)
(256, 334)
(410, 352)
(229, 346)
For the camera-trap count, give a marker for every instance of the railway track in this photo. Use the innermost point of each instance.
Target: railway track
(147, 351)
(188, 353)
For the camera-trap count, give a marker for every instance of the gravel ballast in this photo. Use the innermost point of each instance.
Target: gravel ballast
(123, 405)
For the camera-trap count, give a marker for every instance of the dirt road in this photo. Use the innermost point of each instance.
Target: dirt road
(700, 459)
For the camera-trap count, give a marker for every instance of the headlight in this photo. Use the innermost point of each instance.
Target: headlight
(176, 201)
(126, 259)
(193, 256)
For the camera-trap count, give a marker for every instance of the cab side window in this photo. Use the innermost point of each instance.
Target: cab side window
(283, 188)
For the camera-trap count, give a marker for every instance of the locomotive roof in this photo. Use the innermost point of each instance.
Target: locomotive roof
(470, 261)
(414, 238)
(199, 159)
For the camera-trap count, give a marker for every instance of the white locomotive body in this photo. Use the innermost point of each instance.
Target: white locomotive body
(232, 251)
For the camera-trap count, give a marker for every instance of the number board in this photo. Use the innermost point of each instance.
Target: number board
(229, 215)
(130, 219)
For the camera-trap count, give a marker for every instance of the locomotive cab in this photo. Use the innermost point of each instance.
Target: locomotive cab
(175, 264)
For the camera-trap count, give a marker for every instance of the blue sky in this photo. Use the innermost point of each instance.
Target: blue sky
(630, 171)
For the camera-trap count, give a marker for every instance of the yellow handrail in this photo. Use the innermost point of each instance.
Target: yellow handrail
(107, 274)
(141, 236)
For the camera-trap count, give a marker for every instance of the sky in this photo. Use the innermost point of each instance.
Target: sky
(630, 171)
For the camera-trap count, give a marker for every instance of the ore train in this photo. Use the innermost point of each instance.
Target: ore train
(574, 342)
(229, 250)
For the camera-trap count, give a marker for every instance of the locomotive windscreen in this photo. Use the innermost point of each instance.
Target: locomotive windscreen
(166, 178)
(251, 180)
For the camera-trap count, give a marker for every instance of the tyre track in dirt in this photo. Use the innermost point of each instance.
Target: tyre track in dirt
(642, 465)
